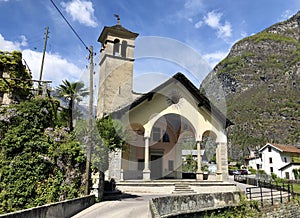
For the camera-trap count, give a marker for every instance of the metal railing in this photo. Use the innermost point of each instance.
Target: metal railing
(271, 191)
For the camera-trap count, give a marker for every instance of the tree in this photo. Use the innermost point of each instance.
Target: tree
(15, 80)
(99, 152)
(107, 135)
(39, 163)
(71, 92)
(111, 132)
(190, 164)
(113, 138)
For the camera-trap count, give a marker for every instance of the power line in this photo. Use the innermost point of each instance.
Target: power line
(86, 47)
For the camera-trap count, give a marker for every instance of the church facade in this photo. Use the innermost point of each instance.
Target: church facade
(158, 123)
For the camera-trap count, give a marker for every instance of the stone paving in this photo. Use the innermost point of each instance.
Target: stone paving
(134, 206)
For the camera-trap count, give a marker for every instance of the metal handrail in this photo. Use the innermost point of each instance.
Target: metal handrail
(269, 191)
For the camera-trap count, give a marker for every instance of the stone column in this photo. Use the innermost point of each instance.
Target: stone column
(146, 171)
(224, 160)
(219, 162)
(122, 175)
(199, 159)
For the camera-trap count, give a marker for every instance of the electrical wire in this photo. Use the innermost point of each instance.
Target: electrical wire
(86, 47)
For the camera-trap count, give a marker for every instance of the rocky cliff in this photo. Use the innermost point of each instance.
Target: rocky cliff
(260, 79)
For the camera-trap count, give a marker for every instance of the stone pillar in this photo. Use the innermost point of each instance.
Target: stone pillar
(224, 160)
(219, 162)
(115, 162)
(146, 171)
(122, 175)
(199, 172)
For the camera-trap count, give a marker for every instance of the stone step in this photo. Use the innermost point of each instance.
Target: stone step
(182, 189)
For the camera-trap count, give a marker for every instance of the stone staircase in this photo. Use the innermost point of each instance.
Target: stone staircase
(183, 188)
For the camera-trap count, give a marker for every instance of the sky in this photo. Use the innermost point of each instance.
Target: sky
(174, 35)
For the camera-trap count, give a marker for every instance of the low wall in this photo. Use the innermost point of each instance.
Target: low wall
(61, 209)
(287, 210)
(184, 204)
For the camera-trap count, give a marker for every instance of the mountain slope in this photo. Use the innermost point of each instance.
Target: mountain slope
(260, 78)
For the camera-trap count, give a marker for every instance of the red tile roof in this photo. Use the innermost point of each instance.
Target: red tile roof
(286, 148)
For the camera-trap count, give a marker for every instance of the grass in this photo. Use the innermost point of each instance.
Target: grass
(296, 188)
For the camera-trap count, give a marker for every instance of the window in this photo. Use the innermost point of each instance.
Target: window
(287, 175)
(269, 149)
(270, 160)
(166, 137)
(271, 169)
(285, 160)
(116, 47)
(156, 134)
(171, 165)
(123, 49)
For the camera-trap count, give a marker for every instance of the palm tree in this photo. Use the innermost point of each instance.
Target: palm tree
(72, 92)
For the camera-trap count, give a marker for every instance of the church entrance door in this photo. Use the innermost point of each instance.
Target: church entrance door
(156, 166)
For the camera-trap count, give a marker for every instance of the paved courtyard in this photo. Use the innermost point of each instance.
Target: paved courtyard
(134, 206)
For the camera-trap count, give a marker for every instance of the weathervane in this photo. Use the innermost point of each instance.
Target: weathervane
(118, 18)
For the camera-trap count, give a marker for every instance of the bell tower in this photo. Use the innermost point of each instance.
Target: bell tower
(116, 68)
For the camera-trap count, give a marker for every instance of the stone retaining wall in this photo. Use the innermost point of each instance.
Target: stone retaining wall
(183, 204)
(287, 210)
(61, 209)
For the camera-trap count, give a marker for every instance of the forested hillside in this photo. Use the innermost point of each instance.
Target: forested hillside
(261, 82)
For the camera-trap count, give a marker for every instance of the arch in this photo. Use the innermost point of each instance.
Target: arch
(116, 51)
(168, 150)
(153, 120)
(208, 143)
(123, 48)
(176, 123)
(209, 133)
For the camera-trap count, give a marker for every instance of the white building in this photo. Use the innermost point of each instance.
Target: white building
(279, 159)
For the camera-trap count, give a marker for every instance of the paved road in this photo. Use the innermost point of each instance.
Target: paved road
(136, 206)
(241, 186)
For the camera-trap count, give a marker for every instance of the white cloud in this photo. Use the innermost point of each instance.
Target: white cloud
(190, 9)
(286, 15)
(243, 34)
(56, 68)
(11, 46)
(214, 58)
(193, 4)
(213, 20)
(198, 24)
(81, 11)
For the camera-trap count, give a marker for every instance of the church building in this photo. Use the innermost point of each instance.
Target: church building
(158, 123)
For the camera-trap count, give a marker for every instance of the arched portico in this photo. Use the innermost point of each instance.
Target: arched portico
(163, 146)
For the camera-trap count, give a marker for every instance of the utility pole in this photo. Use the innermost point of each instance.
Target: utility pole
(44, 51)
(40, 86)
(90, 127)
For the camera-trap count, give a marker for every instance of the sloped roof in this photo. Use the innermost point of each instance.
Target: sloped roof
(282, 148)
(116, 30)
(201, 99)
(289, 165)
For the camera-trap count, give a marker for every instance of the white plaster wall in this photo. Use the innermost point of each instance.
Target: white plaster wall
(277, 162)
